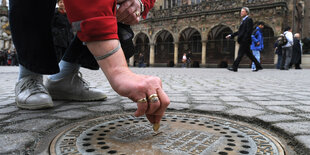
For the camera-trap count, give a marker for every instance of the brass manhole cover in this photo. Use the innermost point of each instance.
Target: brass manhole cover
(181, 134)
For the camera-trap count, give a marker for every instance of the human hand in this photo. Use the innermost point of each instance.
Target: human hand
(131, 85)
(228, 36)
(142, 87)
(128, 12)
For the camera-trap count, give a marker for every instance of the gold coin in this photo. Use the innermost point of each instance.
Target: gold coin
(156, 126)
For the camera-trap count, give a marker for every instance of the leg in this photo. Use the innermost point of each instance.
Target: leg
(289, 51)
(257, 56)
(283, 58)
(241, 53)
(30, 24)
(251, 56)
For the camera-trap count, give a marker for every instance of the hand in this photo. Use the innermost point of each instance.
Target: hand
(127, 12)
(228, 36)
(257, 44)
(128, 84)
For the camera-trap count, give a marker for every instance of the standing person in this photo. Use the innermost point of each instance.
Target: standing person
(278, 51)
(141, 60)
(297, 51)
(9, 57)
(61, 30)
(287, 49)
(96, 26)
(188, 58)
(257, 43)
(2, 58)
(184, 60)
(244, 39)
(14, 57)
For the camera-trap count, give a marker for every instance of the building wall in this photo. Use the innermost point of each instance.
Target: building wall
(205, 17)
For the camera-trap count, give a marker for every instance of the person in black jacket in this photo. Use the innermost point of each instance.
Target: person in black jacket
(297, 50)
(244, 39)
(62, 31)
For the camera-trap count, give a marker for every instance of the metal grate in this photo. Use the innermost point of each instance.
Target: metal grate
(179, 134)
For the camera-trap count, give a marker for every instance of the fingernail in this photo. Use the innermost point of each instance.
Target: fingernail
(156, 126)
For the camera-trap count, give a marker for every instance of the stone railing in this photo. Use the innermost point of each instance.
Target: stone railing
(211, 5)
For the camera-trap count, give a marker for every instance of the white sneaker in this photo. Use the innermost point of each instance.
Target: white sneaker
(31, 94)
(73, 88)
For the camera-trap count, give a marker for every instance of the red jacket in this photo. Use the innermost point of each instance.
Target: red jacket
(96, 20)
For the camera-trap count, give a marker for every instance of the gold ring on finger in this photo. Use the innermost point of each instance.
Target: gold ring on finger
(154, 99)
(143, 100)
(137, 13)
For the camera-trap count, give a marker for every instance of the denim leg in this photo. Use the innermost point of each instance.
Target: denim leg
(257, 56)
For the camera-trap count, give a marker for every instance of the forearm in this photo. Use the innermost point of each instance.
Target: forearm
(112, 65)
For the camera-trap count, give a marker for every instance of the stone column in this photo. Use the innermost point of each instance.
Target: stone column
(152, 54)
(131, 60)
(176, 53)
(236, 49)
(203, 53)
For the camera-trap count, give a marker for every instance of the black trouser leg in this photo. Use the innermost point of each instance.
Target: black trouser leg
(253, 59)
(30, 24)
(241, 53)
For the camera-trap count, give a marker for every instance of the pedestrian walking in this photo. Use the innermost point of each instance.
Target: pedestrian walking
(257, 43)
(184, 60)
(278, 52)
(244, 39)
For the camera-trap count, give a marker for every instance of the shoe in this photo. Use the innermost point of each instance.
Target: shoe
(232, 69)
(73, 88)
(31, 94)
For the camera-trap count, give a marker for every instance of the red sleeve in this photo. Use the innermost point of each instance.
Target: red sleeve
(148, 5)
(95, 20)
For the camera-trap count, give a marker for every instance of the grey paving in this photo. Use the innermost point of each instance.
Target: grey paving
(283, 106)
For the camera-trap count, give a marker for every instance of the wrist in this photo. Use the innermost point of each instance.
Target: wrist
(141, 6)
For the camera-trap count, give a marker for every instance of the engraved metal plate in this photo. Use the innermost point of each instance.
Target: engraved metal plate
(181, 134)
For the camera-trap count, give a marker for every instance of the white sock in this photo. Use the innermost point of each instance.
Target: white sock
(24, 72)
(66, 68)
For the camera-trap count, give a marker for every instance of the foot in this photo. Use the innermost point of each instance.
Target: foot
(73, 88)
(233, 69)
(31, 94)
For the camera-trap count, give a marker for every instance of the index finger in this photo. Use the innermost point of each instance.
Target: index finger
(164, 102)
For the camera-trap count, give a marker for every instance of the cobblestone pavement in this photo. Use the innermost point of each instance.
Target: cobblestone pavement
(276, 100)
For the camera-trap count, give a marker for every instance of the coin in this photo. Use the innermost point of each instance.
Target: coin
(156, 126)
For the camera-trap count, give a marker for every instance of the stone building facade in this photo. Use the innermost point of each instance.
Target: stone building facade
(174, 27)
(5, 33)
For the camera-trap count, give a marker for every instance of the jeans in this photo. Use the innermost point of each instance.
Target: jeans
(257, 56)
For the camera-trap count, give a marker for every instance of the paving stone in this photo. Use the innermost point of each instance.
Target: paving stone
(25, 117)
(178, 99)
(71, 114)
(206, 107)
(244, 104)
(304, 139)
(105, 108)
(245, 112)
(257, 98)
(34, 125)
(295, 127)
(279, 109)
(7, 102)
(276, 103)
(178, 106)
(276, 118)
(206, 102)
(130, 106)
(204, 98)
(11, 142)
(280, 98)
(305, 115)
(304, 102)
(231, 98)
(3, 116)
(303, 108)
(8, 109)
(69, 107)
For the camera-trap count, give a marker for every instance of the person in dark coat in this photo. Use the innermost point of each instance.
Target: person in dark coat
(297, 50)
(61, 30)
(244, 39)
(278, 51)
